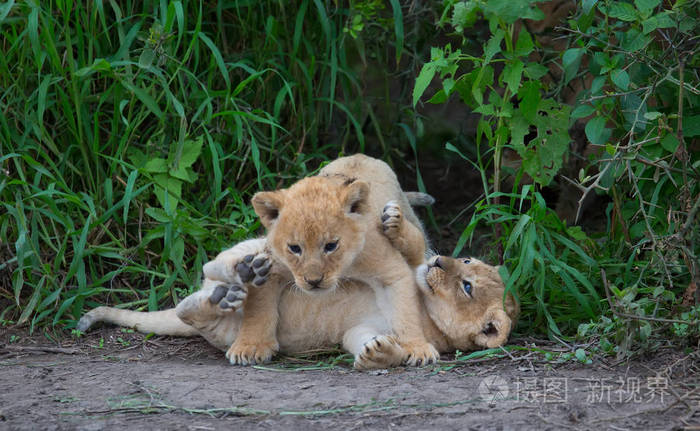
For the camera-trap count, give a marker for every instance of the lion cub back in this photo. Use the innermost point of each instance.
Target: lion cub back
(384, 185)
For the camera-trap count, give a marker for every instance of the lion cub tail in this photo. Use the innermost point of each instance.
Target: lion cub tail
(419, 199)
(163, 322)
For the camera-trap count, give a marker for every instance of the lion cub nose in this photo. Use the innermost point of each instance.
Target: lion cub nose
(314, 283)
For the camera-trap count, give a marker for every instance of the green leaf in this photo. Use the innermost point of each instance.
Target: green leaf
(524, 45)
(510, 11)
(588, 5)
(190, 152)
(157, 165)
(646, 5)
(670, 143)
(463, 15)
(439, 97)
(637, 230)
(633, 109)
(447, 85)
(177, 252)
(158, 215)
(98, 65)
(217, 57)
(571, 60)
(519, 127)
(581, 355)
(29, 307)
(422, 81)
(146, 58)
(144, 97)
(493, 46)
(167, 187)
(398, 27)
(597, 85)
(622, 11)
(530, 97)
(662, 20)
(582, 111)
(596, 132)
(621, 79)
(653, 115)
(691, 126)
(536, 71)
(485, 109)
(5, 10)
(634, 40)
(511, 75)
(545, 154)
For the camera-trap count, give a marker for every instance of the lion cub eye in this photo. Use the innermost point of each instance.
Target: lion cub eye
(295, 249)
(467, 260)
(467, 287)
(330, 247)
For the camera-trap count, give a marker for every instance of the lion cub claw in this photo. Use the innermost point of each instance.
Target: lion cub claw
(418, 354)
(251, 354)
(382, 351)
(391, 220)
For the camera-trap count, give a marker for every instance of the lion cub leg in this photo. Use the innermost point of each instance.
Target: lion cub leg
(201, 310)
(371, 348)
(406, 237)
(256, 341)
(402, 308)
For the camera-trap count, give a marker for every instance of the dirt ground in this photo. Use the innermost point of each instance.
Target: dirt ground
(115, 379)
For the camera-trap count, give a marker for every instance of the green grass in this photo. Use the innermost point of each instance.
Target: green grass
(133, 133)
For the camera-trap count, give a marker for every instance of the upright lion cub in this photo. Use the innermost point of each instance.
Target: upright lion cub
(326, 229)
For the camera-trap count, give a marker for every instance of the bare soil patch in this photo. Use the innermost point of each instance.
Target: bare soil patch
(112, 379)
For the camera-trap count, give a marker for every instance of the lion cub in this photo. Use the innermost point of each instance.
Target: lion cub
(325, 230)
(461, 307)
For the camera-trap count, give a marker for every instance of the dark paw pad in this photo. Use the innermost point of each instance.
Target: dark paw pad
(228, 296)
(254, 269)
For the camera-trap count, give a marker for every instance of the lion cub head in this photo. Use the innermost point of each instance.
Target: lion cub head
(316, 228)
(464, 297)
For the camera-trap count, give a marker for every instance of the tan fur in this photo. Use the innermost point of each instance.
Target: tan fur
(339, 208)
(350, 316)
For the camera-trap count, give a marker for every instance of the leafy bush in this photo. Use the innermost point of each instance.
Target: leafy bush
(637, 63)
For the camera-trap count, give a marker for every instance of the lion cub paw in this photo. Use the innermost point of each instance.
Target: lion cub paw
(229, 297)
(417, 354)
(254, 268)
(251, 268)
(381, 351)
(392, 219)
(244, 353)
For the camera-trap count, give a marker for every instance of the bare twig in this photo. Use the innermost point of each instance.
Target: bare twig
(41, 349)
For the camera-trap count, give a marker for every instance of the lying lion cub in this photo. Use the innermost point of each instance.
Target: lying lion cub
(461, 307)
(325, 229)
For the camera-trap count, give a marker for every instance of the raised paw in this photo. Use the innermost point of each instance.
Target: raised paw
(244, 353)
(382, 351)
(229, 297)
(254, 268)
(417, 354)
(392, 219)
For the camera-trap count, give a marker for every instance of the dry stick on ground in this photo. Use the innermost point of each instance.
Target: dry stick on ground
(41, 349)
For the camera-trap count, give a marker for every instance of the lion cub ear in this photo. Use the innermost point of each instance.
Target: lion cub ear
(356, 195)
(267, 206)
